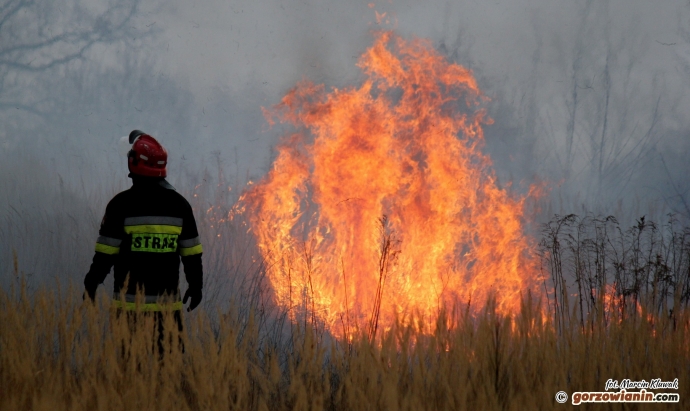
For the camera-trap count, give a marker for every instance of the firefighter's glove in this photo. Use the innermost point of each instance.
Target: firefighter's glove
(195, 295)
(89, 292)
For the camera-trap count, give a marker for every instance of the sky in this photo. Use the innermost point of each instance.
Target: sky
(587, 97)
(529, 57)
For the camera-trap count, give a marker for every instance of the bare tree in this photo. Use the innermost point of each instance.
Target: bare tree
(41, 37)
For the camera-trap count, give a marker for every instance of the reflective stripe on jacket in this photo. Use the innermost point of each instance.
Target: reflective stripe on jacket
(146, 303)
(145, 233)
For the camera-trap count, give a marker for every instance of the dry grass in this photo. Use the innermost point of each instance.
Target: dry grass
(59, 354)
(587, 257)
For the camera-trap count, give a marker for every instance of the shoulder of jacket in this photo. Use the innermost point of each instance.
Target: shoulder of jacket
(181, 199)
(120, 197)
(173, 196)
(165, 184)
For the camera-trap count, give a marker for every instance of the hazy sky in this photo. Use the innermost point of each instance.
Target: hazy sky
(529, 56)
(221, 44)
(577, 87)
(590, 97)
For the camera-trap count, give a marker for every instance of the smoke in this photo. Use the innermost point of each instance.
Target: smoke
(589, 97)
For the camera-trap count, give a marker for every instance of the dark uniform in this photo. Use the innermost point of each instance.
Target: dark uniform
(144, 232)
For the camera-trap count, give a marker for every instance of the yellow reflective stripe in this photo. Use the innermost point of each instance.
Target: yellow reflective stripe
(185, 251)
(148, 307)
(153, 229)
(107, 249)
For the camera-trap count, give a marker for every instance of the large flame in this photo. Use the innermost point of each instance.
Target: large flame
(382, 204)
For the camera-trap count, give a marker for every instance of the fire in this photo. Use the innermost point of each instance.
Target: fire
(381, 204)
(618, 305)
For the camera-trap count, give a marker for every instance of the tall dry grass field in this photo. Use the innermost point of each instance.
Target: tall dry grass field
(66, 355)
(616, 307)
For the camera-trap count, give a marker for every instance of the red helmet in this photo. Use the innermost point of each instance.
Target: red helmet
(147, 156)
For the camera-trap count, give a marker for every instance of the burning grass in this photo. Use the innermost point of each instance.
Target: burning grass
(383, 191)
(61, 354)
(640, 271)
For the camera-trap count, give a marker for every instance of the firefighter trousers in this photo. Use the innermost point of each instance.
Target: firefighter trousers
(164, 338)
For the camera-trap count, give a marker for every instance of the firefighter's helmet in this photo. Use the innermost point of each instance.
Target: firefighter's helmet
(147, 157)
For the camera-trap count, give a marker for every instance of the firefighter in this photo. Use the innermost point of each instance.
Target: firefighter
(144, 234)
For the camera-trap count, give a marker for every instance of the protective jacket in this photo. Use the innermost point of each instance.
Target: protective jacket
(143, 234)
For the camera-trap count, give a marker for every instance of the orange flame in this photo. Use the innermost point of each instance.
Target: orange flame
(382, 203)
(615, 303)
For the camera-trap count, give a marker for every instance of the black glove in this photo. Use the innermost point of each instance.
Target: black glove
(195, 294)
(91, 293)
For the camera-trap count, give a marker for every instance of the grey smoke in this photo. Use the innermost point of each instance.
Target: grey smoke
(589, 96)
